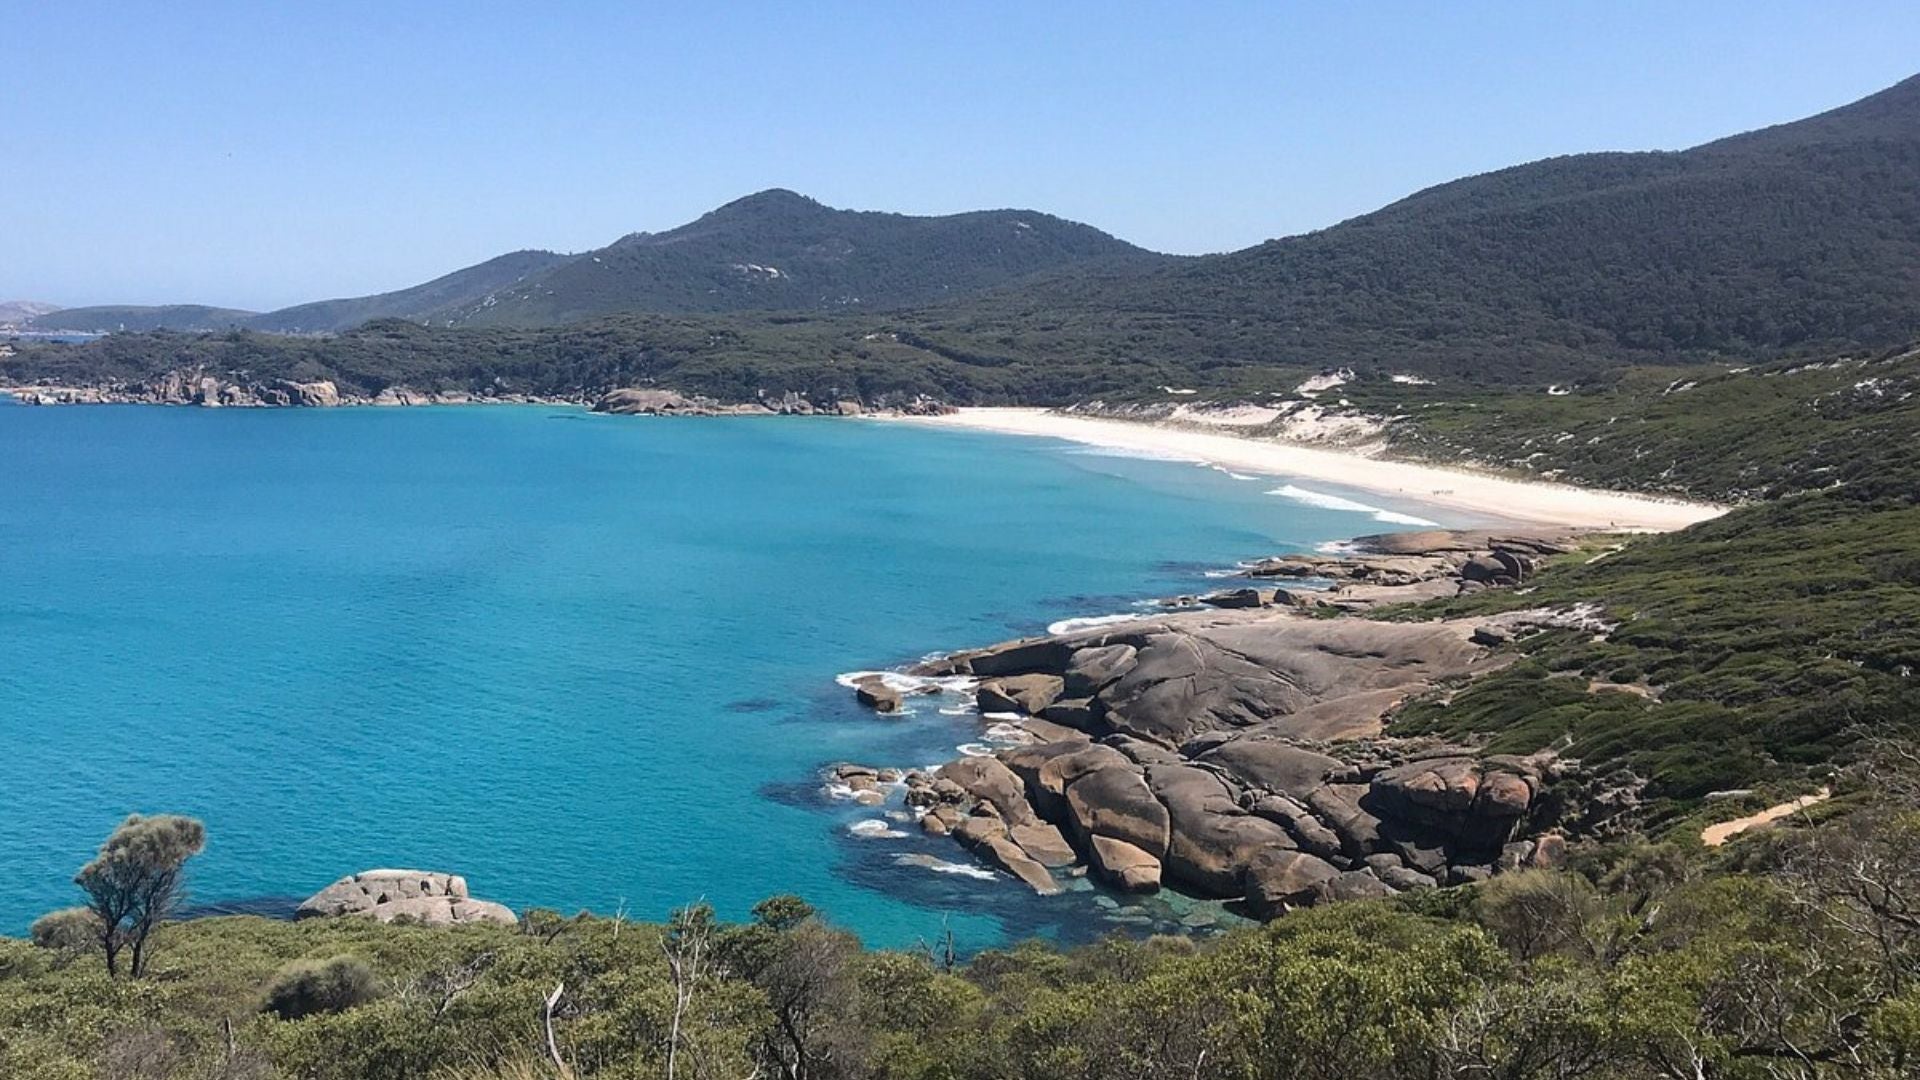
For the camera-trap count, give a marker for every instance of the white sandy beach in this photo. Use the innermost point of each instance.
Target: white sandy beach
(1455, 489)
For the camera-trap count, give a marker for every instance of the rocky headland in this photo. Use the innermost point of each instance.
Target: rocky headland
(1238, 751)
(210, 390)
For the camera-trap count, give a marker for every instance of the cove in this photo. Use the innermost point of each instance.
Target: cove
(586, 661)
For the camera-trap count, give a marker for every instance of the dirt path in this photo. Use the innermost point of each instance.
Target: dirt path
(1715, 835)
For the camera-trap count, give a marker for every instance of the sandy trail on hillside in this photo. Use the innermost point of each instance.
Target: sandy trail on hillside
(1715, 835)
(1473, 493)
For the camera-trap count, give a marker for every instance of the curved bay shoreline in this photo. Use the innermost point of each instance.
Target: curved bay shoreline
(1262, 778)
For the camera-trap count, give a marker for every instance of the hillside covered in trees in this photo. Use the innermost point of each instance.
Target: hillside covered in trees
(1799, 239)
(771, 251)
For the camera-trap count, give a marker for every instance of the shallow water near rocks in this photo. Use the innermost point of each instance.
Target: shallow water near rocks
(586, 661)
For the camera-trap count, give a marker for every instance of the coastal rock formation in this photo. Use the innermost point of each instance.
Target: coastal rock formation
(1029, 694)
(322, 394)
(431, 897)
(875, 694)
(1410, 567)
(637, 402)
(1237, 752)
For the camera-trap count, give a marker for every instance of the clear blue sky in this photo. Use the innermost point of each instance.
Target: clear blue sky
(253, 155)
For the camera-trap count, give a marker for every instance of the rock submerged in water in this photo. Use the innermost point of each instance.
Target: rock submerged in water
(875, 694)
(425, 896)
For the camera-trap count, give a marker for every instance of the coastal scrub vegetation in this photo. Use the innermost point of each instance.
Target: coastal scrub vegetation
(1786, 954)
(1730, 434)
(1763, 646)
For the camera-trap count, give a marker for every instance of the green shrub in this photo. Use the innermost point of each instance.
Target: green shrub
(308, 988)
(73, 929)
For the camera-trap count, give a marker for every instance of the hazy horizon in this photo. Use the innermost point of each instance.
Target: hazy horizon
(257, 159)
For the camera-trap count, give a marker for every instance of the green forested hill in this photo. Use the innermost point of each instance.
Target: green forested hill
(778, 250)
(1800, 237)
(133, 318)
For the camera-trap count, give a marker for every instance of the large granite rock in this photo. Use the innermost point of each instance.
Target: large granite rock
(1470, 802)
(875, 694)
(643, 402)
(1278, 878)
(1272, 765)
(1029, 694)
(1340, 807)
(988, 837)
(1125, 866)
(1023, 657)
(1048, 768)
(425, 896)
(1210, 838)
(988, 780)
(322, 394)
(1116, 802)
(1092, 668)
(1242, 669)
(1044, 843)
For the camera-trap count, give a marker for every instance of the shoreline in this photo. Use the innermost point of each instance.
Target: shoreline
(1528, 501)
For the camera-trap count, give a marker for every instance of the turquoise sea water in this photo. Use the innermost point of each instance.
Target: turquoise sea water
(587, 661)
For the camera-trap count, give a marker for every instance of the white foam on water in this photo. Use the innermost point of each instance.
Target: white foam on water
(974, 749)
(1087, 622)
(1335, 502)
(957, 710)
(910, 684)
(874, 829)
(1009, 734)
(941, 866)
(1134, 453)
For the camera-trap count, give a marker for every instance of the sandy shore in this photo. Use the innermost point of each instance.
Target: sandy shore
(1406, 485)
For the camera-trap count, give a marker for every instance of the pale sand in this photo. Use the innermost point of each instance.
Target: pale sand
(1429, 485)
(1715, 835)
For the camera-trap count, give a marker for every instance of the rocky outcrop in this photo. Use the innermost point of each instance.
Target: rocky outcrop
(1124, 866)
(1237, 752)
(1395, 568)
(1029, 694)
(635, 401)
(425, 896)
(316, 395)
(875, 694)
(1278, 878)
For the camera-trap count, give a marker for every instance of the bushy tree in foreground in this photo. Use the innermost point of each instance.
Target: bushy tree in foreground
(135, 883)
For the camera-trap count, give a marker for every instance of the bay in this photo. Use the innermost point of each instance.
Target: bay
(586, 661)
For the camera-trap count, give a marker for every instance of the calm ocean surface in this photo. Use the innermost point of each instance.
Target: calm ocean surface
(586, 661)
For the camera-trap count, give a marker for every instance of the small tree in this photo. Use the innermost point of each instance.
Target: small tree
(135, 883)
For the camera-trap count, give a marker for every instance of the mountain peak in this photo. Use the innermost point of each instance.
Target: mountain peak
(770, 201)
